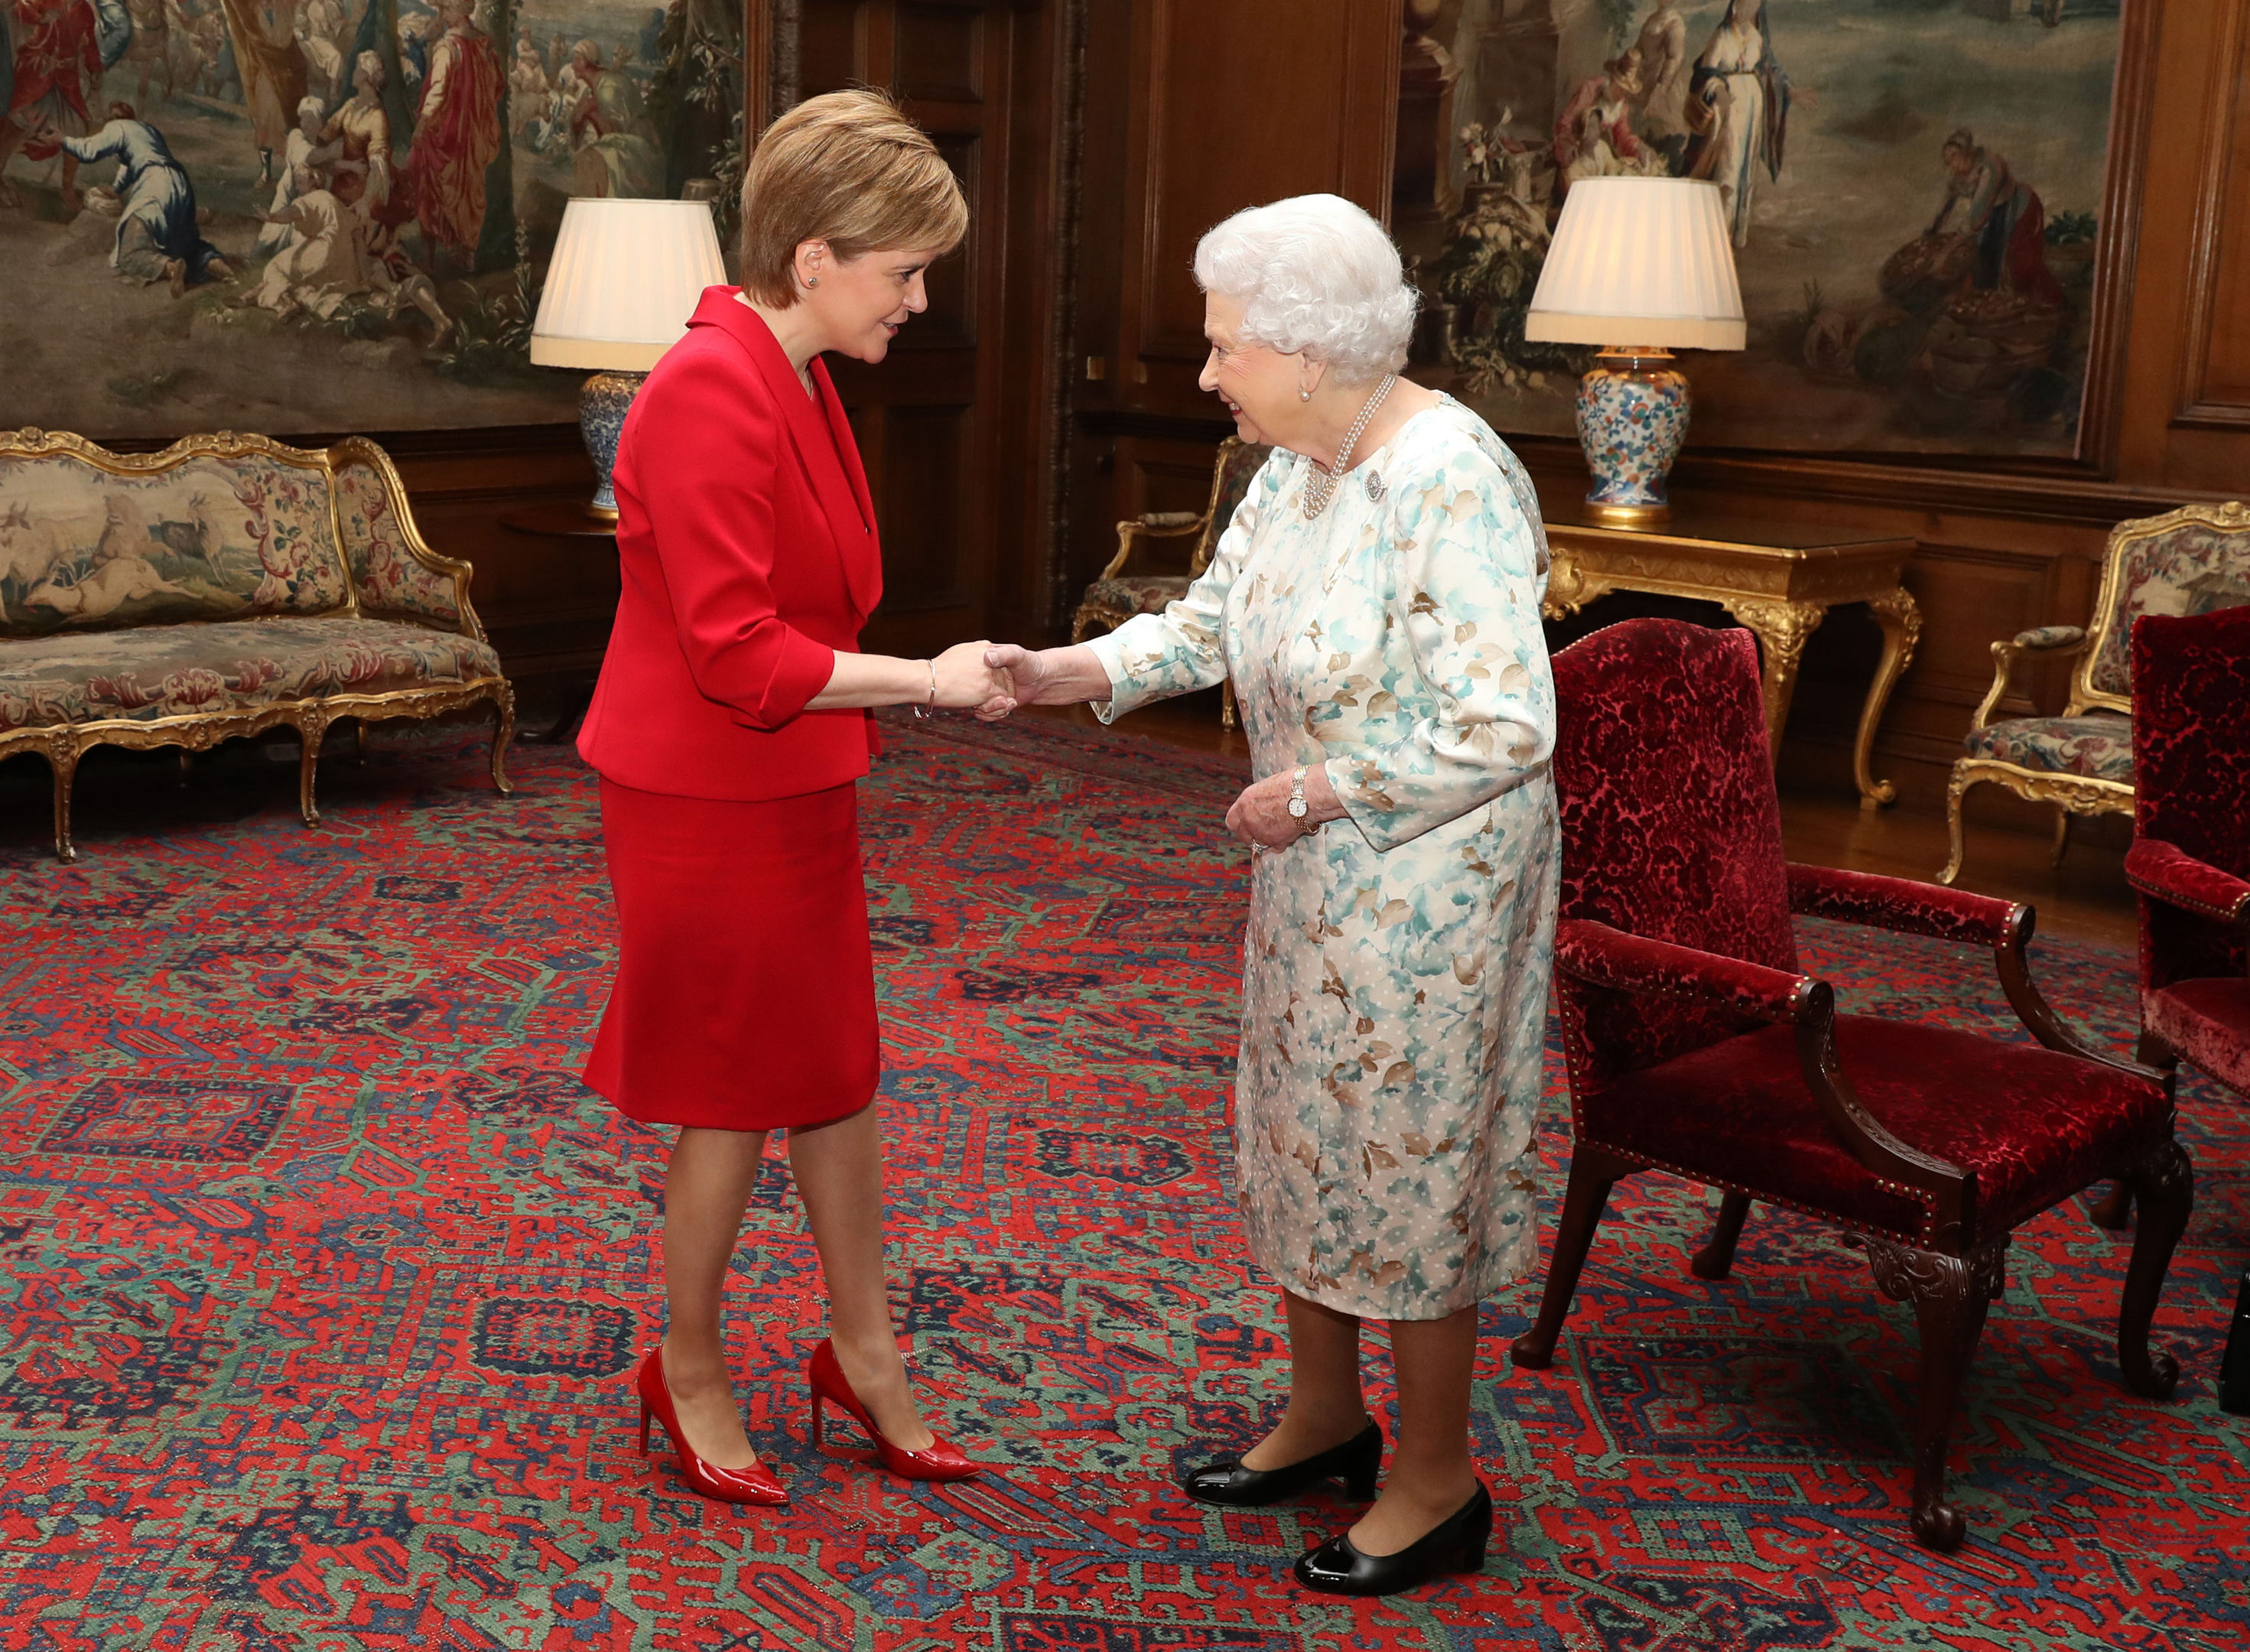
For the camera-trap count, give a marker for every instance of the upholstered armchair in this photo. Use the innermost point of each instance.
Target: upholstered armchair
(2186, 562)
(2189, 862)
(1126, 588)
(1695, 1046)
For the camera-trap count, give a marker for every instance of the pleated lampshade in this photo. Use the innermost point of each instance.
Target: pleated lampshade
(1639, 261)
(625, 278)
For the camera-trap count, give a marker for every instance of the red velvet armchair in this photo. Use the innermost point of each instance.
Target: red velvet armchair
(2189, 862)
(1694, 1045)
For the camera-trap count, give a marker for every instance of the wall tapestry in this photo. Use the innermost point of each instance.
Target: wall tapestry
(324, 215)
(1914, 187)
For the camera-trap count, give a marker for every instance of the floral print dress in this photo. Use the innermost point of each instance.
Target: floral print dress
(1394, 970)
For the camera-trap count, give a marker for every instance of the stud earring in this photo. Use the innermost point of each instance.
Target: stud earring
(812, 281)
(1304, 395)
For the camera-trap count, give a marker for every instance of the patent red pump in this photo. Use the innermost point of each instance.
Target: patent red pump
(937, 1460)
(757, 1483)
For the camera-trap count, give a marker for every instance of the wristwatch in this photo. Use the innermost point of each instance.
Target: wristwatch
(1297, 798)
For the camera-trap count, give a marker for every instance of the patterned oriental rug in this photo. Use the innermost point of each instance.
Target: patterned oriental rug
(324, 1278)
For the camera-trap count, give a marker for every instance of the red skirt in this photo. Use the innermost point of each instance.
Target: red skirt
(745, 997)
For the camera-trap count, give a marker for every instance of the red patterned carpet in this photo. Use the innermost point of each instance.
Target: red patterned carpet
(323, 1277)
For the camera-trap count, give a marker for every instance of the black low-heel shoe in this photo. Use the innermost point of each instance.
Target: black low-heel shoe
(1457, 1545)
(1356, 1463)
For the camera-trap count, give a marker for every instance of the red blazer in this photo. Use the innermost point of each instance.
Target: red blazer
(747, 543)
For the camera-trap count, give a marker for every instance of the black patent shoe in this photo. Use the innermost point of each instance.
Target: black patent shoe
(1356, 1463)
(1455, 1544)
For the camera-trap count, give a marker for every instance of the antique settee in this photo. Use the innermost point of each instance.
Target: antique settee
(226, 586)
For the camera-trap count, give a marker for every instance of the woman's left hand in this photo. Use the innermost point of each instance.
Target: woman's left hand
(1260, 815)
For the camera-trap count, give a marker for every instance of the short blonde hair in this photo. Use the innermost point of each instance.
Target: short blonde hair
(845, 167)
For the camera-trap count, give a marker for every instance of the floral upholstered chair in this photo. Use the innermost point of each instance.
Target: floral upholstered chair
(226, 586)
(1697, 1047)
(2190, 561)
(1126, 589)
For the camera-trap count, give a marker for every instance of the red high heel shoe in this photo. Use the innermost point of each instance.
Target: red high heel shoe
(937, 1460)
(757, 1483)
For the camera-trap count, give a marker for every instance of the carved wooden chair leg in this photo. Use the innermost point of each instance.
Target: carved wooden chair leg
(1226, 716)
(503, 730)
(1593, 1172)
(62, 757)
(359, 743)
(2163, 1180)
(1954, 793)
(186, 767)
(1950, 1296)
(1717, 1259)
(312, 729)
(2061, 836)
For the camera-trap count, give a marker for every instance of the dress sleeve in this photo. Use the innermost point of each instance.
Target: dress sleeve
(1469, 589)
(704, 457)
(1156, 656)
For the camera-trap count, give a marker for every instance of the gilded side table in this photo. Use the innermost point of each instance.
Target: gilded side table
(1779, 579)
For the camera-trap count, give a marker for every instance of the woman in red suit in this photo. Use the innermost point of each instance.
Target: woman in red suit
(730, 726)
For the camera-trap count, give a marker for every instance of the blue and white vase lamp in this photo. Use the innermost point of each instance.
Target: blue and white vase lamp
(1639, 267)
(623, 280)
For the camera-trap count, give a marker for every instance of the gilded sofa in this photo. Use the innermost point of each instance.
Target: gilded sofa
(2190, 561)
(226, 586)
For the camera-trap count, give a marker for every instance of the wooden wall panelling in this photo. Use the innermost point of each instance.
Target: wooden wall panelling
(2214, 382)
(928, 417)
(1195, 111)
(2185, 364)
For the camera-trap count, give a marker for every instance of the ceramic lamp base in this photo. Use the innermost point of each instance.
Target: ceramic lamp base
(603, 403)
(1632, 417)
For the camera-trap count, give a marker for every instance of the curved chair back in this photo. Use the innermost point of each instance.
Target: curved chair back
(1671, 827)
(2192, 758)
(2191, 561)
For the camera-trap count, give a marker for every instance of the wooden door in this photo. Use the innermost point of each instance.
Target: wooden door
(927, 419)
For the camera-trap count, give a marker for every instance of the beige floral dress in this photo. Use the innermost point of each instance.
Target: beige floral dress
(1394, 970)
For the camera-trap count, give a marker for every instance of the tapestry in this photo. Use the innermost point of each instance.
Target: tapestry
(322, 1277)
(300, 215)
(1913, 189)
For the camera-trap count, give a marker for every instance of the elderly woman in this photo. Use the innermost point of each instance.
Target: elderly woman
(1376, 600)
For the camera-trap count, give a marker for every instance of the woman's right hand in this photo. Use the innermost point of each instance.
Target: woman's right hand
(966, 683)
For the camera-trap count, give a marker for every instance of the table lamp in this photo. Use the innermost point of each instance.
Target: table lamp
(625, 278)
(1639, 266)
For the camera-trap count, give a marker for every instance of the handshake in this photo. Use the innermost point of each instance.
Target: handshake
(993, 679)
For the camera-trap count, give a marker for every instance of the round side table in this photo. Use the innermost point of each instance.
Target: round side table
(563, 519)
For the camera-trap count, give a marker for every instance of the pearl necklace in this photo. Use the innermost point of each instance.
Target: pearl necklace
(1320, 487)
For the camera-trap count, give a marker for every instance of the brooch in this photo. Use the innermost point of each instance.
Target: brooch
(1374, 486)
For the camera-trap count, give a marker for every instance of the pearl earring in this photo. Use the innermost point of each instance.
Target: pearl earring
(1304, 395)
(812, 281)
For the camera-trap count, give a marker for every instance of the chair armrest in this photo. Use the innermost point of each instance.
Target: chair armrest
(1601, 956)
(2166, 872)
(2059, 640)
(1154, 524)
(1902, 904)
(1608, 957)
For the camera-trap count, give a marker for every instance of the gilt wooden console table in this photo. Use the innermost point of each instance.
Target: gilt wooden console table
(1778, 579)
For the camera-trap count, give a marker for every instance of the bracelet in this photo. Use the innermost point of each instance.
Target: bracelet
(930, 705)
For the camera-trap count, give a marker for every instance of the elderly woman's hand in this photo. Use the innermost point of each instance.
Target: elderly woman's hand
(1260, 816)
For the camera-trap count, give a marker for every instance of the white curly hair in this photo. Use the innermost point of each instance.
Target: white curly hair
(1314, 273)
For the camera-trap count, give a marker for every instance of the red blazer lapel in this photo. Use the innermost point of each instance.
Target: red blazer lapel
(863, 560)
(822, 437)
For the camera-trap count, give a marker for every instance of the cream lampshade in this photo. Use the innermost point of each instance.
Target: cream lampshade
(625, 277)
(1640, 266)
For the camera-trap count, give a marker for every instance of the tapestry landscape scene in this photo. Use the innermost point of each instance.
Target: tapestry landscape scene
(299, 215)
(1914, 186)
